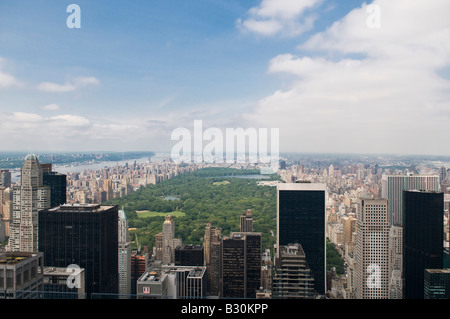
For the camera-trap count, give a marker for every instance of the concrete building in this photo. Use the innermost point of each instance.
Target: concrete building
(372, 249)
(292, 279)
(21, 275)
(29, 196)
(59, 284)
(172, 282)
(124, 255)
(212, 248)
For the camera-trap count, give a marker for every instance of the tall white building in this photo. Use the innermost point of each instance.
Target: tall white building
(29, 196)
(372, 249)
(169, 242)
(396, 260)
(124, 256)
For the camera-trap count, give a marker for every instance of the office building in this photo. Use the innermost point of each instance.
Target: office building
(21, 275)
(241, 265)
(86, 236)
(172, 282)
(138, 268)
(423, 215)
(189, 255)
(395, 262)
(124, 255)
(29, 196)
(166, 242)
(57, 183)
(392, 187)
(246, 221)
(212, 248)
(56, 279)
(437, 284)
(292, 278)
(5, 178)
(5, 212)
(301, 220)
(372, 249)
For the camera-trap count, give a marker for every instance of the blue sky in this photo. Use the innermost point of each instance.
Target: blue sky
(136, 70)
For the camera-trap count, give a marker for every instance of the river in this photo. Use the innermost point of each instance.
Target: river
(71, 168)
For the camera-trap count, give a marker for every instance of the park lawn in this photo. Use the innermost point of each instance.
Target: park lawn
(221, 183)
(146, 213)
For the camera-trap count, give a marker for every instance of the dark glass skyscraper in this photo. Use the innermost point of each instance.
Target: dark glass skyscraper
(85, 235)
(58, 187)
(301, 220)
(189, 255)
(423, 231)
(241, 265)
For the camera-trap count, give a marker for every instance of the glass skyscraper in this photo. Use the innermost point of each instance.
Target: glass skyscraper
(423, 231)
(84, 235)
(301, 220)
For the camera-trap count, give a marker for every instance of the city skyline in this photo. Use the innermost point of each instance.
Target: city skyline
(134, 72)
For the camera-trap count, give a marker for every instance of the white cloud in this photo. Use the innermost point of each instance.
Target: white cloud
(272, 17)
(69, 86)
(7, 80)
(388, 99)
(50, 107)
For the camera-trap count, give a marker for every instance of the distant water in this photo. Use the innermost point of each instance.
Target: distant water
(74, 168)
(171, 197)
(246, 176)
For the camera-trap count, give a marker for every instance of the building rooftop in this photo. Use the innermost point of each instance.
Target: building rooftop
(14, 257)
(80, 208)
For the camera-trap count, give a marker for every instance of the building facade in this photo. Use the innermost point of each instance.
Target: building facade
(29, 196)
(86, 236)
(372, 249)
(423, 215)
(124, 255)
(241, 265)
(21, 275)
(292, 279)
(301, 220)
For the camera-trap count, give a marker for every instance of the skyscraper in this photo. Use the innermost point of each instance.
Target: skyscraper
(29, 196)
(437, 284)
(372, 249)
(189, 255)
(392, 187)
(301, 220)
(57, 183)
(423, 215)
(241, 265)
(292, 279)
(212, 245)
(84, 235)
(246, 221)
(5, 178)
(124, 255)
(166, 242)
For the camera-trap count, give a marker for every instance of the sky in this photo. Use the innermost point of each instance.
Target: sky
(333, 76)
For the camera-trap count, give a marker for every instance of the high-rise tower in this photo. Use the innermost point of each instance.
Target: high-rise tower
(301, 220)
(372, 249)
(124, 255)
(392, 187)
(246, 221)
(423, 215)
(84, 235)
(29, 196)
